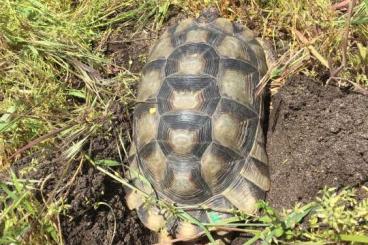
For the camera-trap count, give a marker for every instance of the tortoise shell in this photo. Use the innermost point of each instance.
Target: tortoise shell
(197, 136)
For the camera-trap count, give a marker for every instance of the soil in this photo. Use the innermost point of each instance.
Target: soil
(97, 205)
(96, 201)
(317, 136)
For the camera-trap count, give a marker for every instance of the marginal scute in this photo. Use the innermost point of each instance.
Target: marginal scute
(154, 161)
(151, 217)
(256, 172)
(246, 35)
(184, 25)
(224, 25)
(186, 230)
(135, 198)
(258, 151)
(244, 195)
(260, 55)
(164, 237)
(161, 50)
(221, 208)
(146, 125)
(132, 150)
(149, 85)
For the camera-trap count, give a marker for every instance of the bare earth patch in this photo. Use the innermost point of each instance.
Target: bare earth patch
(318, 136)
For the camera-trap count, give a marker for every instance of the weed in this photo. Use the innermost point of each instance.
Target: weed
(335, 216)
(50, 70)
(23, 219)
(55, 89)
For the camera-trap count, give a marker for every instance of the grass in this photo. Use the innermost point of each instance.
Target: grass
(49, 63)
(333, 217)
(24, 219)
(58, 87)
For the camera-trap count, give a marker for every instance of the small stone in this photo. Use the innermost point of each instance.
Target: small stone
(358, 122)
(364, 136)
(334, 129)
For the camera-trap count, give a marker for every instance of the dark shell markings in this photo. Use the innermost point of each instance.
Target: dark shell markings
(197, 137)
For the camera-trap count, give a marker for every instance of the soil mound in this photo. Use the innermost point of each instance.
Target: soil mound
(317, 136)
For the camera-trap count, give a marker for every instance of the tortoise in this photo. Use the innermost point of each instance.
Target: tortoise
(197, 126)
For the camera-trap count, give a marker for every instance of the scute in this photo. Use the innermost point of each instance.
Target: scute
(193, 59)
(197, 36)
(233, 125)
(183, 183)
(223, 25)
(145, 124)
(188, 93)
(238, 86)
(172, 127)
(197, 135)
(218, 166)
(162, 50)
(229, 131)
(185, 100)
(256, 172)
(243, 194)
(184, 25)
(182, 141)
(151, 217)
(232, 47)
(153, 161)
(133, 197)
(151, 80)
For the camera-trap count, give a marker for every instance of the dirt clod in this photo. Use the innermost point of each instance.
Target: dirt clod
(316, 138)
(97, 206)
(98, 213)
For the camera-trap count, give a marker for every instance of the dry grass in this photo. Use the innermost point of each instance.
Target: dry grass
(57, 88)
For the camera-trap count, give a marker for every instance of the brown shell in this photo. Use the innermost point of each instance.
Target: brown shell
(197, 137)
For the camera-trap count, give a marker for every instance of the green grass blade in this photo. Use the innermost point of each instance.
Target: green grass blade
(354, 238)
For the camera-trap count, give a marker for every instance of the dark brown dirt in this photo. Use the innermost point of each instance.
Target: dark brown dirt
(91, 221)
(129, 48)
(318, 136)
(96, 201)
